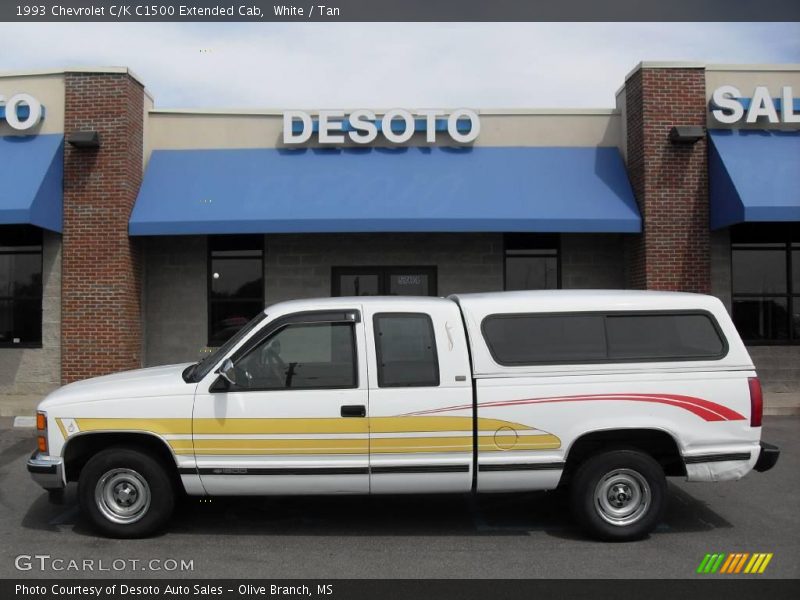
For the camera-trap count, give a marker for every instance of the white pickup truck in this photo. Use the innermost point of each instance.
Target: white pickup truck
(602, 392)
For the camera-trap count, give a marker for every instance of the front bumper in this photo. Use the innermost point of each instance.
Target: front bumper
(767, 457)
(47, 471)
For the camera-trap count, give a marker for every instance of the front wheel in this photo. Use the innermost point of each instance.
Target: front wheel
(619, 495)
(126, 493)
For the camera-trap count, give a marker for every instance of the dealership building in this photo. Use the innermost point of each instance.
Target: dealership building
(134, 236)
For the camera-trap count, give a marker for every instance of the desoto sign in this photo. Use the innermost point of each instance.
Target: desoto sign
(21, 111)
(728, 106)
(363, 126)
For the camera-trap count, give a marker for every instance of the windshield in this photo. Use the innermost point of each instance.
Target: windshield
(199, 370)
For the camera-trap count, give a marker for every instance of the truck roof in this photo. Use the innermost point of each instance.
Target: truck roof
(519, 301)
(584, 300)
(349, 301)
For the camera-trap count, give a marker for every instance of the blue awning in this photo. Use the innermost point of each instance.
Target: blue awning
(31, 180)
(404, 189)
(754, 175)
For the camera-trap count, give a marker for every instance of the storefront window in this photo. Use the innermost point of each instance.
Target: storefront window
(765, 263)
(532, 262)
(20, 286)
(235, 286)
(383, 281)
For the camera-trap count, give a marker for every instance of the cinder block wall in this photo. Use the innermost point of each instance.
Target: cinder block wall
(175, 298)
(670, 180)
(593, 261)
(101, 290)
(299, 266)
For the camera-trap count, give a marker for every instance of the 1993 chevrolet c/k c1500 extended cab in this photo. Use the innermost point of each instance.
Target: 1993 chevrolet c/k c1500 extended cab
(602, 392)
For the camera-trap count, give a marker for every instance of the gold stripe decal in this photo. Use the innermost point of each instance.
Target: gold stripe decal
(299, 426)
(435, 424)
(296, 426)
(161, 426)
(398, 445)
(495, 435)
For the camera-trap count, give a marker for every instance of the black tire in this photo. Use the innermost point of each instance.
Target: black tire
(126, 470)
(608, 485)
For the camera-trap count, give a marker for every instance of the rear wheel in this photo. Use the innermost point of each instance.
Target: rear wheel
(619, 495)
(126, 493)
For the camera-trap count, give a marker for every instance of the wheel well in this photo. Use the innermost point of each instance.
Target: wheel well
(83, 447)
(658, 444)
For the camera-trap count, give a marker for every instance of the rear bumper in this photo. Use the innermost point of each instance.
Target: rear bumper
(47, 471)
(767, 457)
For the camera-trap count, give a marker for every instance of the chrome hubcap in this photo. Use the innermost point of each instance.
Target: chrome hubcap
(622, 497)
(122, 496)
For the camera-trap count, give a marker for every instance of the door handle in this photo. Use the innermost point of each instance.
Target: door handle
(354, 410)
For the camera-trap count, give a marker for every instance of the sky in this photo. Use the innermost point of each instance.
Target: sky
(383, 65)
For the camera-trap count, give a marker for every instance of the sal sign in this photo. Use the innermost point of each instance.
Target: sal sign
(729, 107)
(21, 111)
(363, 126)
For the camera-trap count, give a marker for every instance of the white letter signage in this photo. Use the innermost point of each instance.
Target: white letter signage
(396, 125)
(727, 106)
(289, 136)
(35, 111)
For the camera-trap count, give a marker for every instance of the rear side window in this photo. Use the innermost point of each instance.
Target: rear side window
(663, 336)
(406, 350)
(528, 339)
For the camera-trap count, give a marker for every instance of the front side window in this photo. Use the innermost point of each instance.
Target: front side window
(530, 339)
(765, 282)
(301, 356)
(405, 350)
(20, 286)
(236, 284)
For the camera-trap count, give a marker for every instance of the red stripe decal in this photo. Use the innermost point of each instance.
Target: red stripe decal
(707, 410)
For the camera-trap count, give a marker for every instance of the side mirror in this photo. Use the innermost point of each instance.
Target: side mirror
(228, 371)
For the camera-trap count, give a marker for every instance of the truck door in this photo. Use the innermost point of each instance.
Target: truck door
(295, 420)
(418, 364)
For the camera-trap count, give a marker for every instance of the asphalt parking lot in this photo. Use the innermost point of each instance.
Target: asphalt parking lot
(498, 536)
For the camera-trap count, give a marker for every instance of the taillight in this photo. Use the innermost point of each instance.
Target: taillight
(756, 402)
(41, 429)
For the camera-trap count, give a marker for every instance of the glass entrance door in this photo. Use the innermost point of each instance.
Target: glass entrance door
(383, 281)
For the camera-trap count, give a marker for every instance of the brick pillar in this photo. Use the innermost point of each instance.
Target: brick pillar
(101, 278)
(670, 181)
